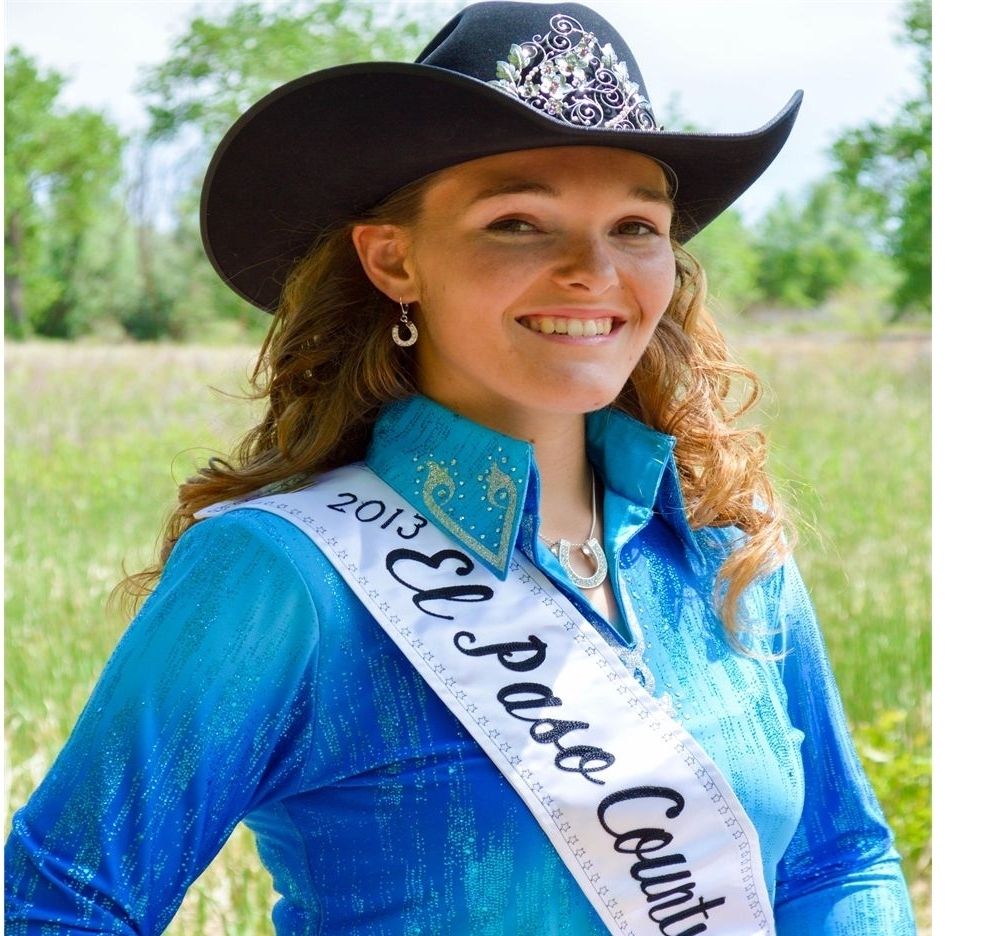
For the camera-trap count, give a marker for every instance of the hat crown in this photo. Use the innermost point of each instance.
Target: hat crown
(562, 60)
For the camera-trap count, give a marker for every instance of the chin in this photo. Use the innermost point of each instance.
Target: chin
(583, 400)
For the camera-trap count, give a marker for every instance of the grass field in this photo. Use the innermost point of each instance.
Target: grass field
(97, 437)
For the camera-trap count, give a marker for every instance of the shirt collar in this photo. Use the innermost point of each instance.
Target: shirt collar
(473, 482)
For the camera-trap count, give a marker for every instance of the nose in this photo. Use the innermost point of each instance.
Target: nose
(586, 263)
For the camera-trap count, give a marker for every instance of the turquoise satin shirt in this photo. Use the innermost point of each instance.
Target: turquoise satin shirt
(253, 687)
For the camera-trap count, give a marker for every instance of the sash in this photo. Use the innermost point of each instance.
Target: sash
(641, 816)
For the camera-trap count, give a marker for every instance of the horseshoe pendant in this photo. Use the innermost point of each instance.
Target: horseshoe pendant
(592, 549)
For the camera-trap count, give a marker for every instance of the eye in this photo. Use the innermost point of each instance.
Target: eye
(512, 226)
(636, 228)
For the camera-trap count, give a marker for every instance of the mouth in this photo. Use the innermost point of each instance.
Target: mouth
(574, 327)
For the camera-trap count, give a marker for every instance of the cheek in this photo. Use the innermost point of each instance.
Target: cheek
(660, 282)
(456, 276)
(493, 277)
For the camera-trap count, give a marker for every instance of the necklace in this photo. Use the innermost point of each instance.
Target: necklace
(590, 548)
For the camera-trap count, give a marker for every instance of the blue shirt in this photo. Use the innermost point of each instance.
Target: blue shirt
(253, 687)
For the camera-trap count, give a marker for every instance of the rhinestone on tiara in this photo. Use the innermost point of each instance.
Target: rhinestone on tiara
(569, 76)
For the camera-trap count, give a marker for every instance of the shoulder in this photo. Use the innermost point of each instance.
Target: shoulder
(244, 536)
(245, 560)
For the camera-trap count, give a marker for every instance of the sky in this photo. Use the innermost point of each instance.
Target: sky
(731, 64)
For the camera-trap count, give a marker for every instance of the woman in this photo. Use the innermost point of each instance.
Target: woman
(505, 638)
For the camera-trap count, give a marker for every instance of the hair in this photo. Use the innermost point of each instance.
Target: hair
(687, 385)
(328, 364)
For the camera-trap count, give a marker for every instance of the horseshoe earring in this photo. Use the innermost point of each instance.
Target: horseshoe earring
(404, 322)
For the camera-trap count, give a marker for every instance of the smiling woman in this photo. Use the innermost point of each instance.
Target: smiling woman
(495, 602)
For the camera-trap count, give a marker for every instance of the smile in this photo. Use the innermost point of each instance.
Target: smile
(575, 327)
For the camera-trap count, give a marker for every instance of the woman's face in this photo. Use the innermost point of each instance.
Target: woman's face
(540, 277)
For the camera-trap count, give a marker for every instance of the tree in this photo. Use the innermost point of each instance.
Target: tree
(810, 248)
(220, 67)
(729, 256)
(891, 165)
(60, 178)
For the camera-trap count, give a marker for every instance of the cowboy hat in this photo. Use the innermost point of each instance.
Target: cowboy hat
(499, 77)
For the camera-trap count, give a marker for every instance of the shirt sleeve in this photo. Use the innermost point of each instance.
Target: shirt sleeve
(203, 713)
(840, 875)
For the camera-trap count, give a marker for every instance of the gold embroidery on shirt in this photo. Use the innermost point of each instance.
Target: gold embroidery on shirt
(500, 493)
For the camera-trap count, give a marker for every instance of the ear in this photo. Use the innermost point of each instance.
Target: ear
(382, 250)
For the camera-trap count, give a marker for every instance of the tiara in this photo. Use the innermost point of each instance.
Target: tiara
(568, 75)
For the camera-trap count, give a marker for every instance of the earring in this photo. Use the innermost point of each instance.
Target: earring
(408, 325)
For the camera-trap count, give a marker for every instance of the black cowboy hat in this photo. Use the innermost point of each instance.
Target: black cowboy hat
(499, 77)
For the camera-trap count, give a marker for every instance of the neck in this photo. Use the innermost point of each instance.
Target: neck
(559, 446)
(565, 482)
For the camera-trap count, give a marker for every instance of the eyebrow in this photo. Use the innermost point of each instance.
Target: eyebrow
(529, 187)
(515, 187)
(651, 195)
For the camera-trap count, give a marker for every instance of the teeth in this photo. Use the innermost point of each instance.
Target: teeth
(576, 328)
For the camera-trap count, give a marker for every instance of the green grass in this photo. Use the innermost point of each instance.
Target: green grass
(97, 437)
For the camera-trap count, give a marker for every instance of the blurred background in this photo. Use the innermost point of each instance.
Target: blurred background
(117, 327)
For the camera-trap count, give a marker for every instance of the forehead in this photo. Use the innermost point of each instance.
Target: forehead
(554, 169)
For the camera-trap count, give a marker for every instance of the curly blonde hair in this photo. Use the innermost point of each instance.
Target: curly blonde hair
(328, 365)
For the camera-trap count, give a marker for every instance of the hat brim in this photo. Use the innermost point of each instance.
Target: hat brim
(333, 144)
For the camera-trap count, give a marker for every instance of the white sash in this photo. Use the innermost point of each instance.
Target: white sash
(641, 816)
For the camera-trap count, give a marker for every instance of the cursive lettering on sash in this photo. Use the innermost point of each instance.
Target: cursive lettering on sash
(505, 651)
(642, 843)
(584, 759)
(445, 593)
(668, 887)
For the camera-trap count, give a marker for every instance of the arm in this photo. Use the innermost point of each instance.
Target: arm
(203, 712)
(840, 874)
